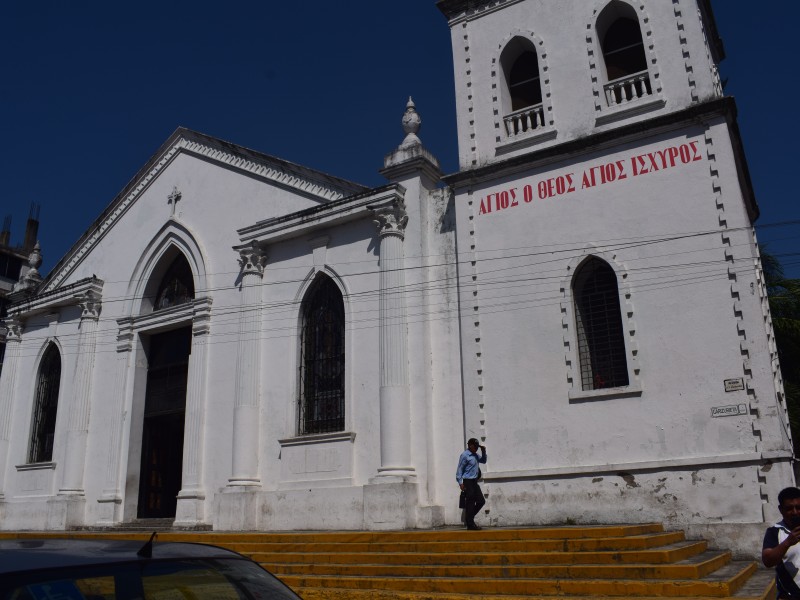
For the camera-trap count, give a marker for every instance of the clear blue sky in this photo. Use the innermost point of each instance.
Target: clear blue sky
(89, 91)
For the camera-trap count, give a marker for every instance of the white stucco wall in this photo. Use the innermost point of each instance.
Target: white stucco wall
(680, 242)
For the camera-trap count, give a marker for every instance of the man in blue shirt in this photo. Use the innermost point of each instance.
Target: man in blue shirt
(467, 476)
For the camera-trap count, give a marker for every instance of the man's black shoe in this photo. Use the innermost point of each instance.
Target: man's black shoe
(474, 527)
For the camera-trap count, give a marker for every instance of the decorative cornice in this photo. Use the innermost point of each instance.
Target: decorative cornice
(575, 149)
(199, 308)
(391, 217)
(278, 173)
(69, 295)
(302, 180)
(318, 217)
(252, 259)
(457, 10)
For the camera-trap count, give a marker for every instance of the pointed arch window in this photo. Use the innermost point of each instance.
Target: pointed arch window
(322, 359)
(177, 285)
(43, 427)
(598, 321)
(623, 54)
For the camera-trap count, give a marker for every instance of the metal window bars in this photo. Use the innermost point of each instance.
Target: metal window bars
(322, 360)
(45, 407)
(601, 342)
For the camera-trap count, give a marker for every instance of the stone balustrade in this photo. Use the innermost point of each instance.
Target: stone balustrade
(630, 88)
(523, 121)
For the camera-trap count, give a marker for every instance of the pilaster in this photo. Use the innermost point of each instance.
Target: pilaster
(7, 382)
(78, 423)
(111, 498)
(252, 260)
(391, 220)
(191, 498)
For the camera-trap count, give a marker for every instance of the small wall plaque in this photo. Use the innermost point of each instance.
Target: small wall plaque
(734, 385)
(729, 411)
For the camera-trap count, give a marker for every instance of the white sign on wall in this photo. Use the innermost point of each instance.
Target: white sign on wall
(734, 385)
(729, 411)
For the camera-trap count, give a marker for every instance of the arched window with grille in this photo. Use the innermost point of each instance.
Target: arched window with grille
(322, 340)
(598, 322)
(177, 285)
(45, 406)
(523, 108)
(623, 54)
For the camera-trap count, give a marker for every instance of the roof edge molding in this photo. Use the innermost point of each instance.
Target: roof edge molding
(69, 295)
(324, 187)
(318, 217)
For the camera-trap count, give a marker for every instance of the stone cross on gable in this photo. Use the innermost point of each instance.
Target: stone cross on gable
(173, 199)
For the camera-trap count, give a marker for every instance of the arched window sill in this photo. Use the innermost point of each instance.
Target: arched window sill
(526, 140)
(42, 466)
(621, 113)
(318, 438)
(628, 391)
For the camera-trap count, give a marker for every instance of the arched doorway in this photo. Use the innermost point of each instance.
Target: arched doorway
(160, 475)
(162, 431)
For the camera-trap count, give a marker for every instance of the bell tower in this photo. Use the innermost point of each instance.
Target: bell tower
(531, 74)
(600, 163)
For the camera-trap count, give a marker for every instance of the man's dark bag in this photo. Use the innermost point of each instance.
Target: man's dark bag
(462, 499)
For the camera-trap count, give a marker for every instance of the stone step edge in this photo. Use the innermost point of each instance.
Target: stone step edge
(672, 588)
(705, 564)
(669, 554)
(766, 593)
(566, 532)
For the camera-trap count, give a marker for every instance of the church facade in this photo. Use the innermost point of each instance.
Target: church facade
(243, 343)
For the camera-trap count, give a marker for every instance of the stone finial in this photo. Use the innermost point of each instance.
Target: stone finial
(410, 153)
(31, 278)
(35, 258)
(411, 125)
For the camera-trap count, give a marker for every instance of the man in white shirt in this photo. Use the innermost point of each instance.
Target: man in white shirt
(780, 549)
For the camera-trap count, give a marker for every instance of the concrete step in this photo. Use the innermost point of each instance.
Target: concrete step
(694, 568)
(667, 554)
(760, 586)
(634, 561)
(485, 542)
(722, 583)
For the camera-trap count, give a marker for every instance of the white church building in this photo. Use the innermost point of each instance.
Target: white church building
(243, 343)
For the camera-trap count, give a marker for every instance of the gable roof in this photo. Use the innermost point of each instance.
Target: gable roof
(304, 180)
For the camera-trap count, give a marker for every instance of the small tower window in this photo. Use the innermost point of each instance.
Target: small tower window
(523, 82)
(601, 343)
(624, 56)
(43, 428)
(177, 285)
(523, 110)
(322, 360)
(623, 50)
